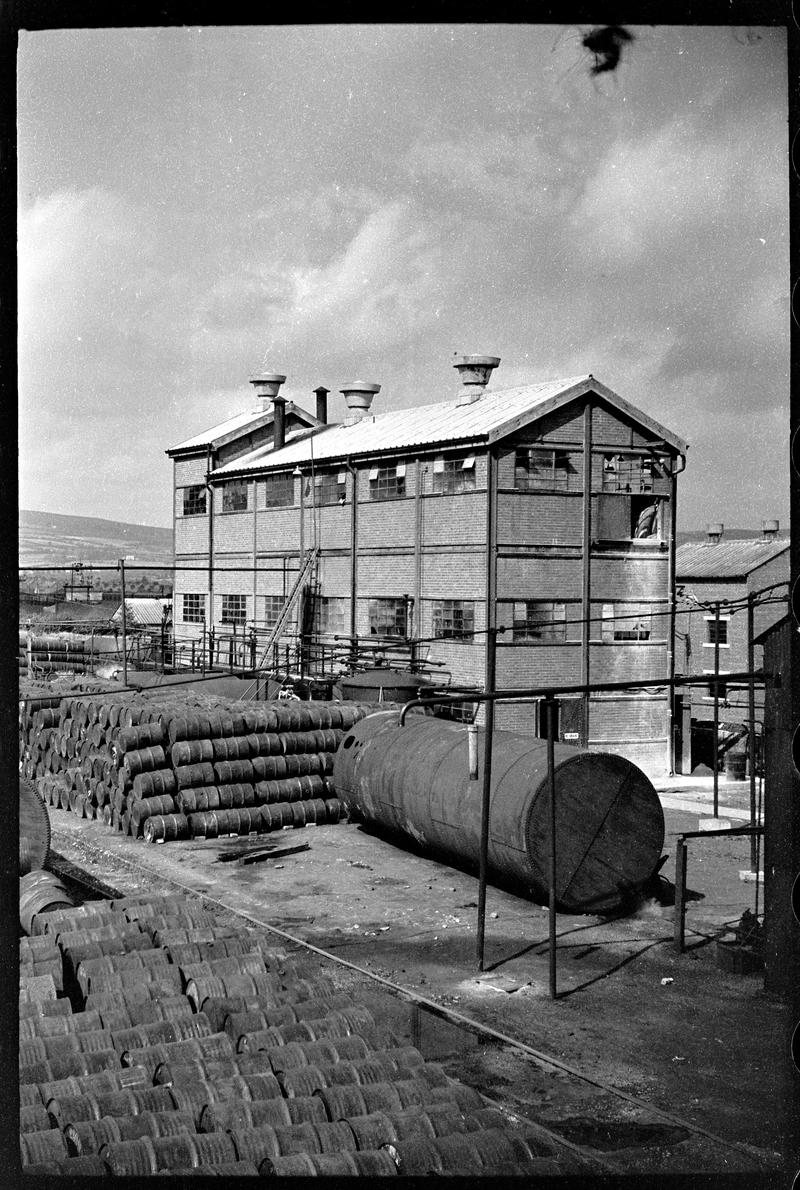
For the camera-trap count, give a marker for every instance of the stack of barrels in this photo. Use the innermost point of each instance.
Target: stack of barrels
(158, 1039)
(165, 768)
(52, 653)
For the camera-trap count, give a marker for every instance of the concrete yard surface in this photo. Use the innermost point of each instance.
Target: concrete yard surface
(648, 1060)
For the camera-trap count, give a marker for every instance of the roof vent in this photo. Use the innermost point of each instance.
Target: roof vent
(267, 386)
(474, 372)
(769, 530)
(358, 394)
(714, 532)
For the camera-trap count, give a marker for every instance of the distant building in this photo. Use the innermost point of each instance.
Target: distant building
(727, 571)
(144, 613)
(546, 507)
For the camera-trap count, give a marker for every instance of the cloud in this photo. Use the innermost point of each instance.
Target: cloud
(378, 291)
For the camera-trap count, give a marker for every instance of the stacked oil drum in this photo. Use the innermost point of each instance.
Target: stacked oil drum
(53, 653)
(154, 1038)
(169, 769)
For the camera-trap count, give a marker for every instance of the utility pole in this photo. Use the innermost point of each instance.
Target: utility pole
(124, 626)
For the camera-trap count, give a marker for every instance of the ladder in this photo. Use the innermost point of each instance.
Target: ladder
(291, 599)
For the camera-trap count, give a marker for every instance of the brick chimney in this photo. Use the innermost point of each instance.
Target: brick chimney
(714, 532)
(358, 394)
(769, 530)
(474, 372)
(321, 394)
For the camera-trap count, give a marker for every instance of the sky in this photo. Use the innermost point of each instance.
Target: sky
(340, 202)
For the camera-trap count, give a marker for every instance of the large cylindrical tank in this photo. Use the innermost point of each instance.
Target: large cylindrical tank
(383, 684)
(415, 779)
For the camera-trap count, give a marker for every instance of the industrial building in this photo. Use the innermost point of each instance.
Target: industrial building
(545, 511)
(730, 591)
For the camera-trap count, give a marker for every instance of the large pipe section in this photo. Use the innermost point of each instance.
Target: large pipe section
(416, 779)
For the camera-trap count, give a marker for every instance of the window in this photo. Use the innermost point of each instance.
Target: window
(194, 609)
(387, 483)
(388, 617)
(330, 487)
(631, 473)
(537, 468)
(721, 685)
(626, 621)
(453, 619)
(273, 606)
(454, 475)
(194, 500)
(278, 491)
(234, 609)
(330, 615)
(234, 496)
(543, 620)
(713, 636)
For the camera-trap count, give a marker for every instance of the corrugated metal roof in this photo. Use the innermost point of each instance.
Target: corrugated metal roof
(240, 424)
(141, 610)
(725, 559)
(490, 417)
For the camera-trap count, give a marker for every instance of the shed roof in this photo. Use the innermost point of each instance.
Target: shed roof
(733, 559)
(143, 610)
(488, 419)
(234, 427)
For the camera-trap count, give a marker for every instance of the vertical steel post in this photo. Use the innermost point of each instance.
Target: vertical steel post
(124, 625)
(551, 705)
(716, 710)
(488, 735)
(751, 711)
(680, 894)
(490, 670)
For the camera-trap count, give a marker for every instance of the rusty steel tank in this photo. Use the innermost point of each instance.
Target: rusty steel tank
(415, 779)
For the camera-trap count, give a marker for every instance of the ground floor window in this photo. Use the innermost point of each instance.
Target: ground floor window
(273, 606)
(194, 609)
(453, 619)
(542, 620)
(234, 609)
(388, 617)
(330, 615)
(626, 621)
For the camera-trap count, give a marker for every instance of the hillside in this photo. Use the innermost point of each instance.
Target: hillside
(54, 539)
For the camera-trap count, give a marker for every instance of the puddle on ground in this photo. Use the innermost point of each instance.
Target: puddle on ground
(607, 1136)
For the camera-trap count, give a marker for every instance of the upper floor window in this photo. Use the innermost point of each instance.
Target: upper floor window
(194, 500)
(234, 496)
(330, 487)
(717, 632)
(387, 483)
(388, 617)
(234, 609)
(542, 620)
(626, 621)
(453, 619)
(631, 473)
(194, 609)
(454, 475)
(278, 490)
(535, 467)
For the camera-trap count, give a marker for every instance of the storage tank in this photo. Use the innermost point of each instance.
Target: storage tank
(383, 684)
(415, 779)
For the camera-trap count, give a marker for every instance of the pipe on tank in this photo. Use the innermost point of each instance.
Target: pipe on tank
(415, 779)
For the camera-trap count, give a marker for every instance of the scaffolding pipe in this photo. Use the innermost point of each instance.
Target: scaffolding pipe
(124, 625)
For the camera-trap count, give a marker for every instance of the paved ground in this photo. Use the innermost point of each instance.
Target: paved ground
(671, 1031)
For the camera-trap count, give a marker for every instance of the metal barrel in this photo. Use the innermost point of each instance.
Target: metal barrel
(144, 760)
(197, 799)
(185, 752)
(42, 1147)
(254, 1144)
(307, 1109)
(41, 894)
(415, 779)
(189, 775)
(166, 828)
(269, 768)
(151, 784)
